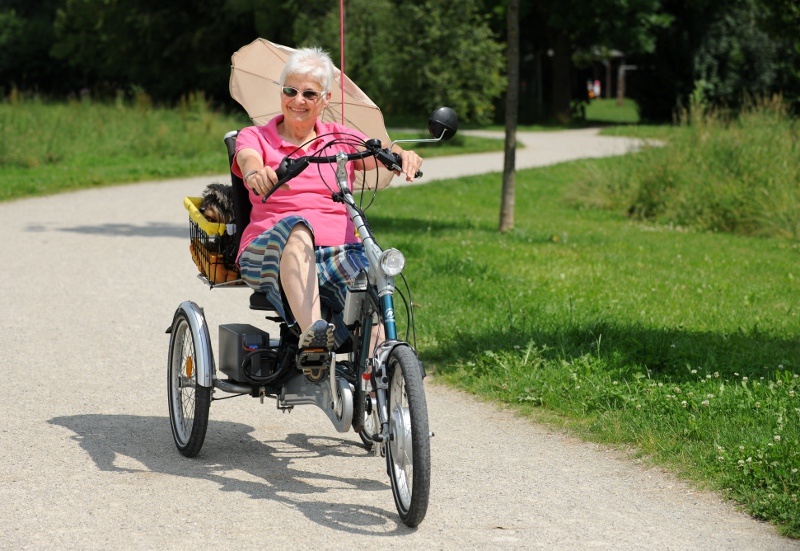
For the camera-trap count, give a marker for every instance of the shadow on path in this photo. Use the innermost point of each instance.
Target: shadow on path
(153, 229)
(274, 468)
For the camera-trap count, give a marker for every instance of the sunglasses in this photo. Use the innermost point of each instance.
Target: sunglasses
(310, 95)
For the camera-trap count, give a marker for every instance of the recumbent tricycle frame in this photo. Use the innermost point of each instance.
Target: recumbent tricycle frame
(375, 389)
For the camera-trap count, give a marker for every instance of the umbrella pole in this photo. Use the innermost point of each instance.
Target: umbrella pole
(341, 51)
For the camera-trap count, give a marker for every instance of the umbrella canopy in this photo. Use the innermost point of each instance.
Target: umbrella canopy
(255, 84)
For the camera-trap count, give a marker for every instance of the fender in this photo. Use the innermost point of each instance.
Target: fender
(204, 360)
(381, 355)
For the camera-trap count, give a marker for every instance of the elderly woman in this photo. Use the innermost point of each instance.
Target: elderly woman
(300, 247)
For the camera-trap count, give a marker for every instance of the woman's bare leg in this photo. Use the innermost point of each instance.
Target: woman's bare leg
(298, 276)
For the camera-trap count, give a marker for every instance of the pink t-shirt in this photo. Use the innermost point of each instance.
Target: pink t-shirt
(308, 197)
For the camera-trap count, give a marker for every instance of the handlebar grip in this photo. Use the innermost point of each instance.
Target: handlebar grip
(398, 163)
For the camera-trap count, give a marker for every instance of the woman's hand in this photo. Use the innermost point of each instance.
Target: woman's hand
(260, 181)
(256, 177)
(411, 164)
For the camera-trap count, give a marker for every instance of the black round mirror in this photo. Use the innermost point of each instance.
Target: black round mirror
(443, 123)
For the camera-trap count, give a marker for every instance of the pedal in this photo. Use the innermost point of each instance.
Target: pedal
(312, 361)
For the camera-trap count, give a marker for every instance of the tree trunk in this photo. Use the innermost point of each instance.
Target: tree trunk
(562, 77)
(512, 109)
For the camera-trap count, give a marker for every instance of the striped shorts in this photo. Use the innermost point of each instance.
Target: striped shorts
(336, 268)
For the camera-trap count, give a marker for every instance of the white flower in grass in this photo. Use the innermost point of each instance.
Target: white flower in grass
(745, 379)
(777, 437)
(794, 471)
(741, 448)
(741, 463)
(758, 405)
(704, 403)
(683, 404)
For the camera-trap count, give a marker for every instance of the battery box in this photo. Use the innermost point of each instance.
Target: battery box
(245, 353)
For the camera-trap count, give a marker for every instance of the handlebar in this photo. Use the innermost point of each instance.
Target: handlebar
(289, 168)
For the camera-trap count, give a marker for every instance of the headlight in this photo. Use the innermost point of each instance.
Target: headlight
(392, 262)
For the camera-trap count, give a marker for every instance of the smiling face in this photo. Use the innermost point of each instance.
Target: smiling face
(299, 111)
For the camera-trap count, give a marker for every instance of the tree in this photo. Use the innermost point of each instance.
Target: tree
(167, 48)
(512, 104)
(781, 21)
(26, 36)
(555, 31)
(735, 57)
(721, 50)
(443, 53)
(369, 42)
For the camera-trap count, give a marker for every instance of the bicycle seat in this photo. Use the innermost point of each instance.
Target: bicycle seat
(258, 301)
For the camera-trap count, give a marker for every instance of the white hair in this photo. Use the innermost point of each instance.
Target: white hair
(313, 62)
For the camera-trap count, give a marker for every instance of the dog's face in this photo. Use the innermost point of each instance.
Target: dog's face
(217, 205)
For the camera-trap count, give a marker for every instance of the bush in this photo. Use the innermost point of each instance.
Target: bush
(720, 172)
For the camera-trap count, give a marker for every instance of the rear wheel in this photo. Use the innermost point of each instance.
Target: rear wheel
(188, 402)
(408, 452)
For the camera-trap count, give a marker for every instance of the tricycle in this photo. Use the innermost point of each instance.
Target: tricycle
(373, 388)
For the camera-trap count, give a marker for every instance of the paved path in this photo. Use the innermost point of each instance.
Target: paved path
(90, 283)
(540, 149)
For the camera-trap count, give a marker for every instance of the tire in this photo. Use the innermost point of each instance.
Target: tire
(408, 452)
(188, 402)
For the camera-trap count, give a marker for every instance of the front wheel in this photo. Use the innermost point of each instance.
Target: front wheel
(188, 401)
(408, 456)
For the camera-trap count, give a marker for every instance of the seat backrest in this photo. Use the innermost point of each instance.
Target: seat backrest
(241, 213)
(241, 201)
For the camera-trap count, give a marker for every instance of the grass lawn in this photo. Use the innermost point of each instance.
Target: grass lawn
(51, 147)
(684, 346)
(607, 111)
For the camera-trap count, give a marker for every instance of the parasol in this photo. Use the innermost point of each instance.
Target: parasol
(255, 84)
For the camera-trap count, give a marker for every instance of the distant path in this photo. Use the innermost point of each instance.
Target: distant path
(90, 283)
(540, 149)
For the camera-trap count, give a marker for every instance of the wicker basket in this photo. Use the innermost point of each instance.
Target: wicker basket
(211, 246)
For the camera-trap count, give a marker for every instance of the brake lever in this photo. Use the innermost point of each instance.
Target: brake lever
(288, 169)
(392, 160)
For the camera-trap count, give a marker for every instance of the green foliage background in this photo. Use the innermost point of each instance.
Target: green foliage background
(411, 55)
